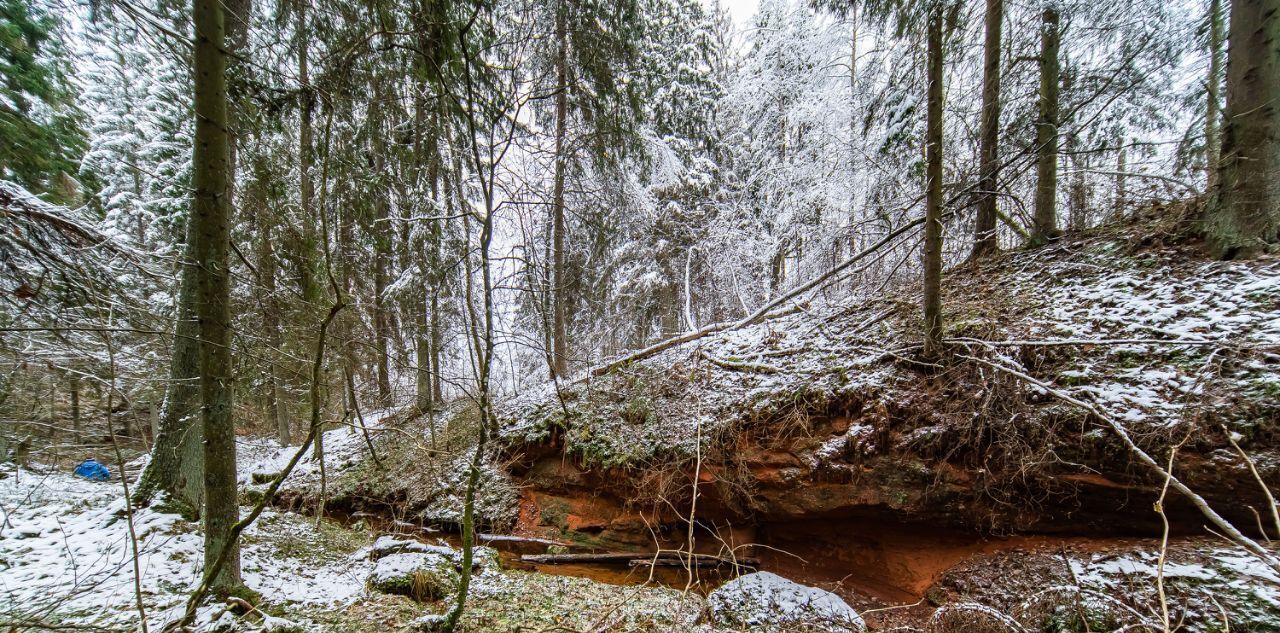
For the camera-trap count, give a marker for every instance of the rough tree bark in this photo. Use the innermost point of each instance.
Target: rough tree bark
(1122, 197)
(380, 230)
(177, 459)
(1045, 225)
(74, 388)
(211, 242)
(933, 193)
(560, 336)
(1213, 97)
(1244, 219)
(984, 229)
(278, 399)
(422, 320)
(381, 320)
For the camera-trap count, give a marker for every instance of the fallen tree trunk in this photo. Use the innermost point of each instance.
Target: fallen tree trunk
(646, 558)
(701, 563)
(765, 312)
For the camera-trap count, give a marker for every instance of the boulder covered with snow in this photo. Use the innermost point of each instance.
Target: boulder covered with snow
(765, 601)
(387, 544)
(482, 557)
(419, 575)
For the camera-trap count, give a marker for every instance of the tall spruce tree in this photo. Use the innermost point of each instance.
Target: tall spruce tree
(210, 236)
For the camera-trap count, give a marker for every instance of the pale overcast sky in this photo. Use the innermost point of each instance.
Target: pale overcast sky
(741, 10)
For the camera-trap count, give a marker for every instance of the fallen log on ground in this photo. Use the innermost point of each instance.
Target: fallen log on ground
(697, 562)
(627, 557)
(764, 312)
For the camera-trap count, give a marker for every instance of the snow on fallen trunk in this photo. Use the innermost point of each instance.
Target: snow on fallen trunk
(765, 600)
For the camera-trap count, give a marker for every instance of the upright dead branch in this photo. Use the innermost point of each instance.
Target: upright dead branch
(1266, 490)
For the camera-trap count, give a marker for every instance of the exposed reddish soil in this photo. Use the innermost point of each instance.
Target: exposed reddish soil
(885, 527)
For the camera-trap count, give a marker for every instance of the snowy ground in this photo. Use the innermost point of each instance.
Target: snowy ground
(66, 560)
(66, 556)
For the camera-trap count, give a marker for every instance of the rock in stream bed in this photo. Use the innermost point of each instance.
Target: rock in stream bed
(765, 601)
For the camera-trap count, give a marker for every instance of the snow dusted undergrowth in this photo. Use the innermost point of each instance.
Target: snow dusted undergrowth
(1107, 294)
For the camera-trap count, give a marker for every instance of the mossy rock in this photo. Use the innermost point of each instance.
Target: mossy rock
(252, 495)
(260, 478)
(418, 575)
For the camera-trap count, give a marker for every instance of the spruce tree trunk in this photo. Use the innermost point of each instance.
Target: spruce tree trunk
(277, 394)
(422, 358)
(437, 341)
(1121, 194)
(560, 336)
(1077, 191)
(984, 237)
(1244, 220)
(422, 320)
(1213, 97)
(933, 192)
(381, 320)
(309, 260)
(177, 457)
(1046, 213)
(211, 242)
(381, 233)
(74, 388)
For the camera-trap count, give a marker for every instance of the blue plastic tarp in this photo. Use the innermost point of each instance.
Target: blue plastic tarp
(93, 471)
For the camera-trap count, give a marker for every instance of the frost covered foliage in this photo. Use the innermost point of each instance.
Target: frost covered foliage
(787, 177)
(1144, 45)
(68, 309)
(769, 154)
(40, 124)
(137, 94)
(95, 288)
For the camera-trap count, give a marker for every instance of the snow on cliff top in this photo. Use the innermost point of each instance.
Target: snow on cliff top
(1093, 288)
